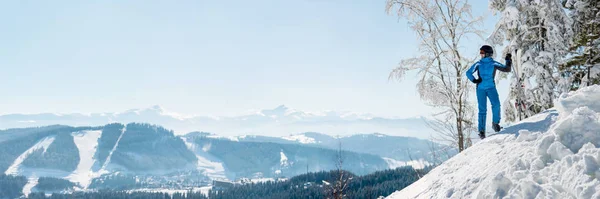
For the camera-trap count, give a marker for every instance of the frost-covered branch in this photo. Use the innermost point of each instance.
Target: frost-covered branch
(440, 25)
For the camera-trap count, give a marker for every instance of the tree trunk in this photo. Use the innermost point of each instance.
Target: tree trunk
(459, 117)
(461, 145)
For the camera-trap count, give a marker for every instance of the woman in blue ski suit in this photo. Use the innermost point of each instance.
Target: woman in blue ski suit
(486, 86)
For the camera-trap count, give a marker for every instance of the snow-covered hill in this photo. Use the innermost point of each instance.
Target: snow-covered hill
(280, 121)
(136, 155)
(552, 155)
(397, 149)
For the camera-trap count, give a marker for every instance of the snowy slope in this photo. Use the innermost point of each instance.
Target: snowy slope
(301, 138)
(32, 181)
(15, 168)
(110, 154)
(283, 160)
(552, 155)
(32, 176)
(86, 142)
(207, 163)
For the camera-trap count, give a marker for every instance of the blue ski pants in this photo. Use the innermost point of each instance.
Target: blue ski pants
(492, 94)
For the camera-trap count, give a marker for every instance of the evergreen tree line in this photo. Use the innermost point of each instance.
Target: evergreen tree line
(119, 195)
(53, 184)
(311, 185)
(314, 185)
(11, 186)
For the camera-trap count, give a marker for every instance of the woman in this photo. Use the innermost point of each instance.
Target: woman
(486, 86)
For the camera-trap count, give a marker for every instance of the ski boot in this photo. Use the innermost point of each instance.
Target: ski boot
(496, 127)
(482, 135)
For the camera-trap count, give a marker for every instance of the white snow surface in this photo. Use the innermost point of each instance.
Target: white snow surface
(283, 159)
(104, 170)
(87, 143)
(417, 164)
(301, 138)
(15, 168)
(32, 181)
(557, 157)
(32, 174)
(207, 163)
(587, 96)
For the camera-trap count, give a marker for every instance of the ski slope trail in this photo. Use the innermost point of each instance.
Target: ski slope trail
(15, 167)
(207, 163)
(103, 168)
(32, 181)
(552, 155)
(87, 143)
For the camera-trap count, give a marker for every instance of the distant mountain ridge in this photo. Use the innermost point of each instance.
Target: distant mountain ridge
(279, 121)
(394, 147)
(140, 155)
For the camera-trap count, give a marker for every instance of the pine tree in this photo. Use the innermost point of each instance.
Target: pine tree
(539, 39)
(581, 68)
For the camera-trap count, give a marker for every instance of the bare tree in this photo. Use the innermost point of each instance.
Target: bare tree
(441, 26)
(417, 171)
(337, 190)
(440, 153)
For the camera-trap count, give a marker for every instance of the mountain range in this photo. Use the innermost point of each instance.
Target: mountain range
(141, 155)
(280, 121)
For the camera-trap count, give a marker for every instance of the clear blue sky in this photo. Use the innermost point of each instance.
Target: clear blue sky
(206, 57)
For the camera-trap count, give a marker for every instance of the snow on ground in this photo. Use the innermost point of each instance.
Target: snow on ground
(417, 164)
(207, 163)
(205, 190)
(109, 157)
(86, 142)
(32, 174)
(553, 157)
(32, 181)
(231, 138)
(260, 180)
(587, 96)
(283, 159)
(44, 143)
(300, 138)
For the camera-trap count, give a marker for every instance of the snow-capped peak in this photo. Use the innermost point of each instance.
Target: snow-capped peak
(281, 110)
(279, 121)
(354, 115)
(157, 108)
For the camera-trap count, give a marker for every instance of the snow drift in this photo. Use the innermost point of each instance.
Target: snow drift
(552, 155)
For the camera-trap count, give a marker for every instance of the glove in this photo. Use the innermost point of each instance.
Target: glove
(508, 60)
(477, 81)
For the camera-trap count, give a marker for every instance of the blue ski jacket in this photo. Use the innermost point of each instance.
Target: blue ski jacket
(486, 71)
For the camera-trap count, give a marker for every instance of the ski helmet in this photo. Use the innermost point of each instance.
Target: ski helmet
(488, 51)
